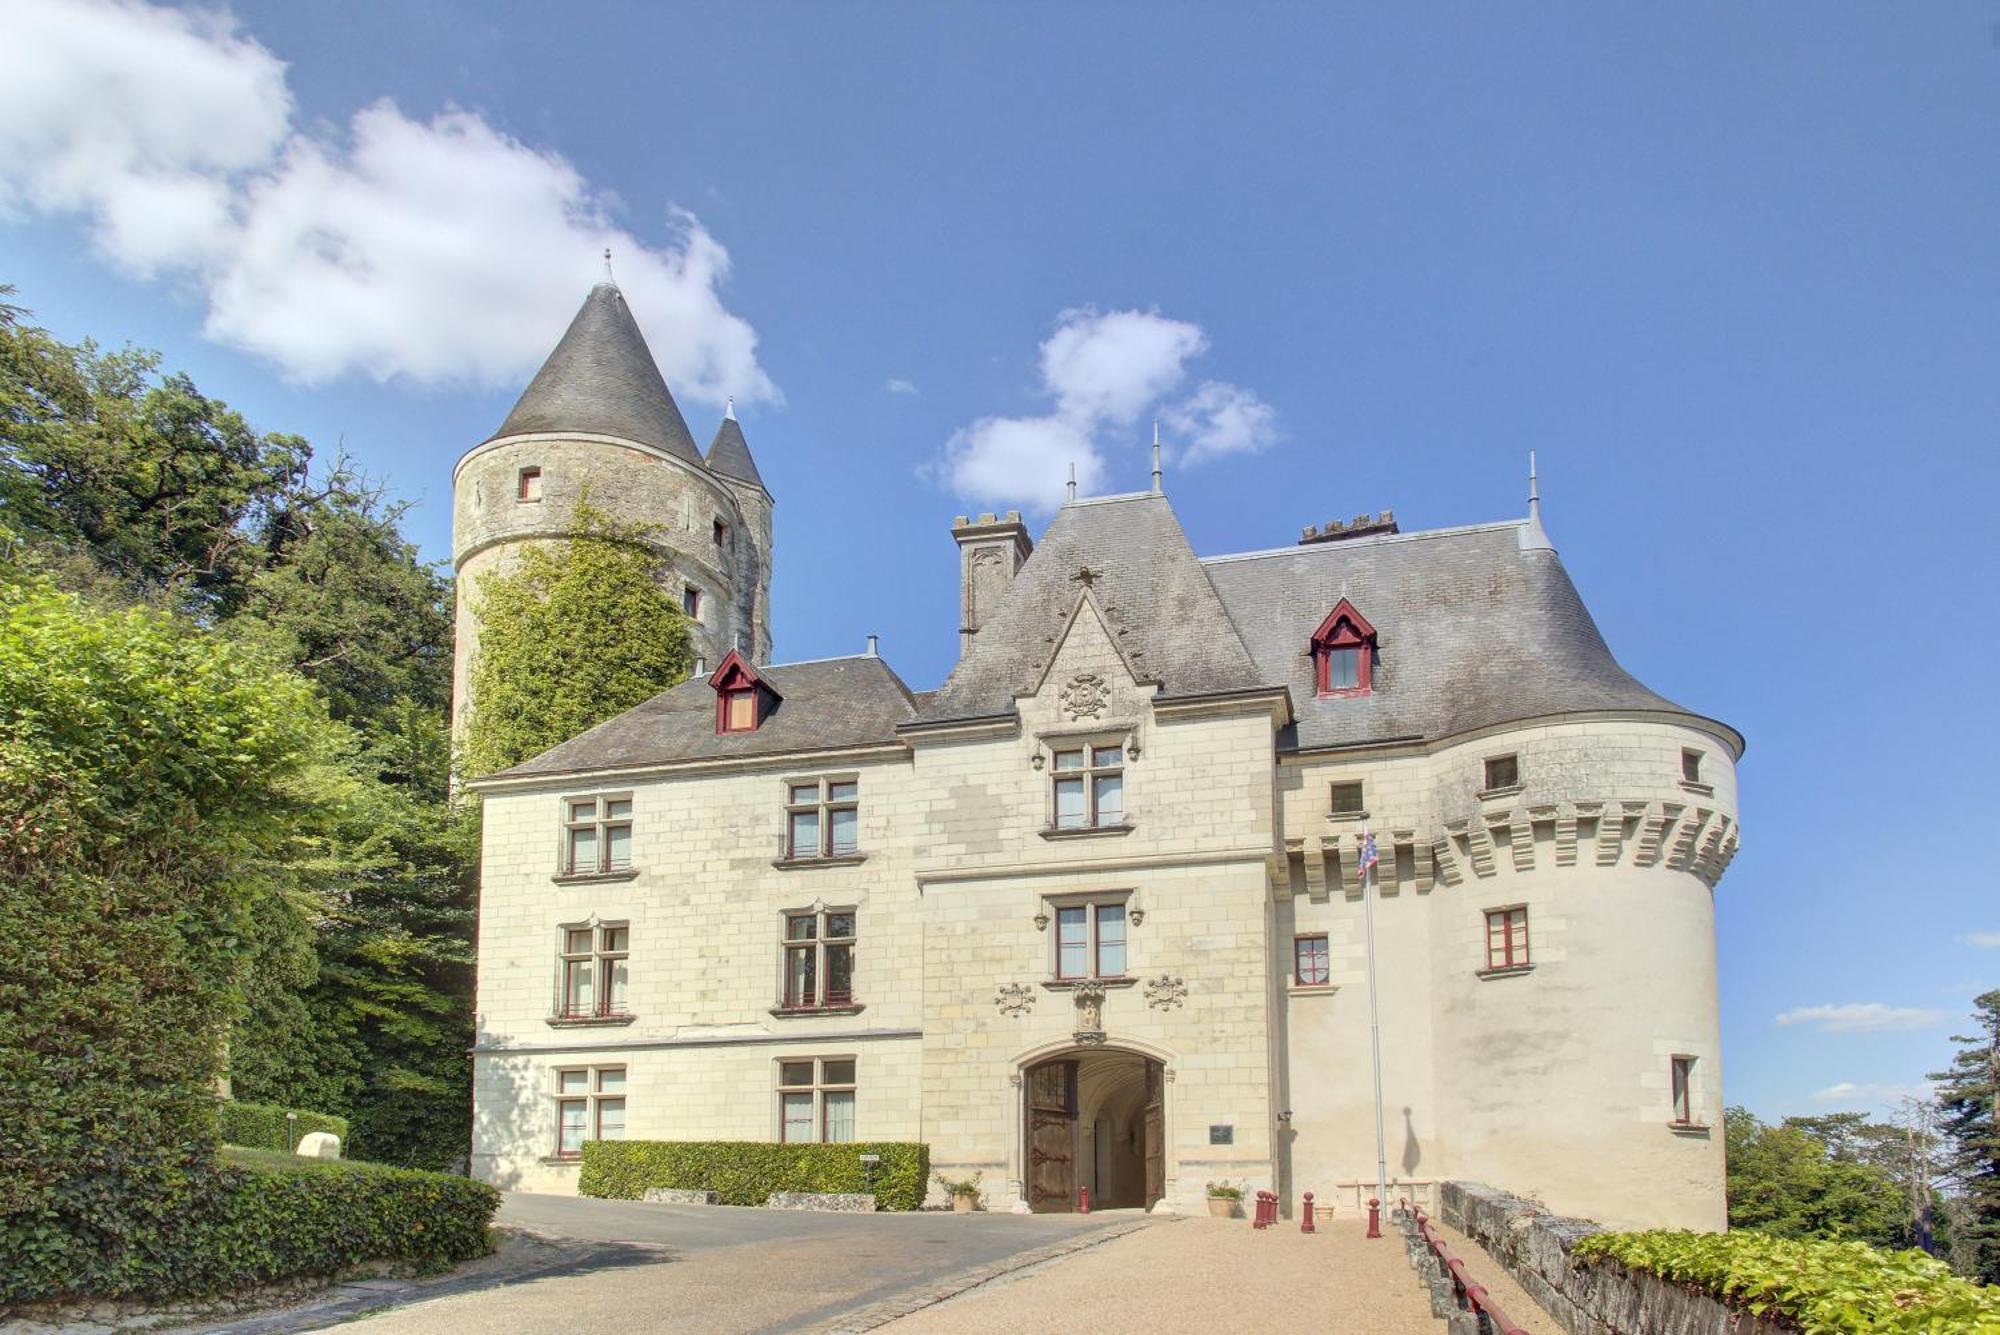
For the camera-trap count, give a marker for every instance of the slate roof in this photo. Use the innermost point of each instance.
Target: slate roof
(729, 454)
(602, 379)
(1473, 630)
(1156, 598)
(832, 703)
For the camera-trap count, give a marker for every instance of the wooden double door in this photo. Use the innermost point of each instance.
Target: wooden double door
(1053, 1143)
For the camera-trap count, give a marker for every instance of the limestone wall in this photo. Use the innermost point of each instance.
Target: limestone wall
(1555, 1078)
(1604, 1299)
(705, 909)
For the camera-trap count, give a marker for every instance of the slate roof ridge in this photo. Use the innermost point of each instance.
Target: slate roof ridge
(1372, 540)
(601, 379)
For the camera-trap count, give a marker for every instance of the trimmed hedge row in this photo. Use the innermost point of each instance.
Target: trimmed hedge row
(254, 1219)
(1828, 1288)
(261, 1126)
(746, 1172)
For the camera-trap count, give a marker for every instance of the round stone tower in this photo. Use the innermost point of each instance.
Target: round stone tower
(598, 419)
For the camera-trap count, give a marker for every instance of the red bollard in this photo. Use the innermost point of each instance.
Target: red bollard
(1374, 1217)
(1306, 1224)
(1083, 1200)
(1257, 1215)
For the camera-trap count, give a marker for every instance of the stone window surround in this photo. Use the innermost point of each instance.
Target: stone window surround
(1300, 985)
(600, 1014)
(1359, 811)
(1506, 965)
(819, 1088)
(820, 912)
(592, 1098)
(1692, 1123)
(1088, 900)
(1089, 742)
(601, 823)
(826, 804)
(1488, 789)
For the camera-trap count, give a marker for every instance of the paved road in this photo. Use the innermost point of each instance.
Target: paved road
(718, 1269)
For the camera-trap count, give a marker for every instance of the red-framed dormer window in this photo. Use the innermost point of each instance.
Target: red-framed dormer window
(743, 699)
(1343, 653)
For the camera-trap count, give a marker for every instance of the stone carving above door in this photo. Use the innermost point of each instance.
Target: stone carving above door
(1089, 998)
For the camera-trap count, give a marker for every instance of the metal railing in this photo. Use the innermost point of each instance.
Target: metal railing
(1471, 1296)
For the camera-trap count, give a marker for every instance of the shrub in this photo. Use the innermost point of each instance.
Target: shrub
(262, 1126)
(746, 1172)
(1825, 1288)
(263, 1217)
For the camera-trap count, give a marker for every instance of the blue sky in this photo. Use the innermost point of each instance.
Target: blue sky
(1731, 270)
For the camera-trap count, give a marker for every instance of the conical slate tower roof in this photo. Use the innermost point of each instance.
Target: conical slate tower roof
(729, 454)
(602, 379)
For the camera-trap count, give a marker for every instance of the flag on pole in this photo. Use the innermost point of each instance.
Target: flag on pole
(1368, 856)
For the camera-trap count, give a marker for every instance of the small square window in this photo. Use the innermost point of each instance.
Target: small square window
(1503, 771)
(691, 601)
(1309, 961)
(1691, 766)
(528, 485)
(1347, 800)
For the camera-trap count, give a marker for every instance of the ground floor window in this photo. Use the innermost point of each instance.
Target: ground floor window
(816, 1100)
(590, 1105)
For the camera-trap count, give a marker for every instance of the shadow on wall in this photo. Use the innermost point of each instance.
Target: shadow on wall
(1413, 1150)
(504, 1088)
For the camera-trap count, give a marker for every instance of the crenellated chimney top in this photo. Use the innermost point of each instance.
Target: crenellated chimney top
(1361, 526)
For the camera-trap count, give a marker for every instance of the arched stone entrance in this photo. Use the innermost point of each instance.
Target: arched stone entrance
(1096, 1118)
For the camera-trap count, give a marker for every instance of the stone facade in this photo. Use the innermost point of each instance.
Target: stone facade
(1194, 1052)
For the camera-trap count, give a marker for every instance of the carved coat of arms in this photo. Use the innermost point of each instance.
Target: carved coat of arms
(1086, 696)
(1165, 992)
(1014, 998)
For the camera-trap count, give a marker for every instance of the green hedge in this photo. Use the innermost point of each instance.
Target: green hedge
(261, 1126)
(746, 1172)
(254, 1219)
(1824, 1288)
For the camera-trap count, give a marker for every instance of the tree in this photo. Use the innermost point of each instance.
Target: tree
(143, 480)
(1787, 1181)
(1966, 1097)
(154, 784)
(576, 632)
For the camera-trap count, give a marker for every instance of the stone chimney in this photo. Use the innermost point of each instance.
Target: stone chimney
(1361, 526)
(990, 552)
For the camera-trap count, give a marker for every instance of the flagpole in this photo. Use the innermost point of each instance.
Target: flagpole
(1374, 1013)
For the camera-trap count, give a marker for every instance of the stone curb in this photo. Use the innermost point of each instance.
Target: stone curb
(930, 1295)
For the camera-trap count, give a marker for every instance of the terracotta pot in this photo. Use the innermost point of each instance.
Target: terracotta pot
(1222, 1207)
(964, 1204)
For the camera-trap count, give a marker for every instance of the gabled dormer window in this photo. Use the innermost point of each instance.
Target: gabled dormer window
(743, 699)
(1343, 653)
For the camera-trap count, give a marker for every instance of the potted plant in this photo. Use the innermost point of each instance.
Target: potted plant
(964, 1192)
(1223, 1199)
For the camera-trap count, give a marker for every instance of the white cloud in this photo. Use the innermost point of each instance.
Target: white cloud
(1218, 420)
(901, 386)
(1869, 1095)
(1110, 366)
(1103, 369)
(1862, 1017)
(434, 250)
(1983, 940)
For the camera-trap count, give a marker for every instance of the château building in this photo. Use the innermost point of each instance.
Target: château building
(1091, 912)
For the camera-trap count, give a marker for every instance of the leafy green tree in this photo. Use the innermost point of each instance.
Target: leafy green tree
(154, 783)
(1786, 1181)
(576, 632)
(140, 479)
(1966, 1099)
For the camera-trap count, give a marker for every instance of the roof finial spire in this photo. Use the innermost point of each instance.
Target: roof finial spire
(729, 408)
(609, 277)
(1534, 538)
(1072, 479)
(1156, 456)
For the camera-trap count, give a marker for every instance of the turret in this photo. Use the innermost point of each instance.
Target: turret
(598, 421)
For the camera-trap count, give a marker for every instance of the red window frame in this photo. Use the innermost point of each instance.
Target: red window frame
(1323, 965)
(1506, 957)
(1344, 630)
(734, 679)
